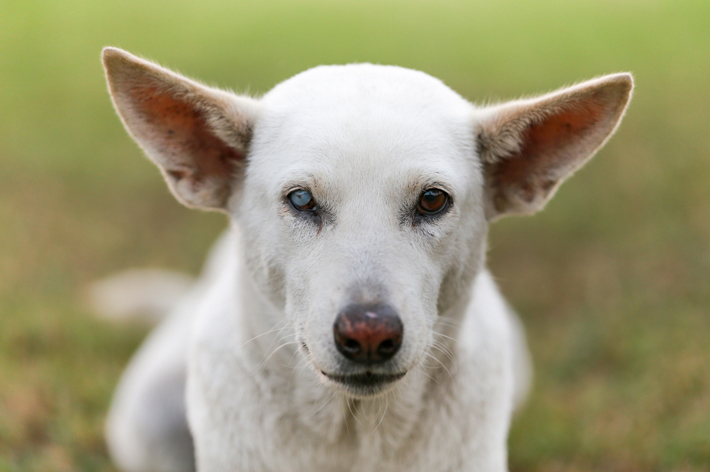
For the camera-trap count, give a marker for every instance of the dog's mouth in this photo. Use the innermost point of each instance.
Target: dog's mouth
(362, 384)
(366, 383)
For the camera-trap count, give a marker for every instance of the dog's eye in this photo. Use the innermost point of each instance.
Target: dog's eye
(302, 200)
(432, 202)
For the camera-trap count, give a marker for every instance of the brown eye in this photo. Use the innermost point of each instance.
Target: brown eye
(433, 201)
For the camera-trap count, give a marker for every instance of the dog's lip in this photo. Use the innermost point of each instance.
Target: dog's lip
(365, 379)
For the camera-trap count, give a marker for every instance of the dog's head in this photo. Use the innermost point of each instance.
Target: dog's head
(364, 192)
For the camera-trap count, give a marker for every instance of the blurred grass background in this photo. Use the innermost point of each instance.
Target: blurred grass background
(611, 280)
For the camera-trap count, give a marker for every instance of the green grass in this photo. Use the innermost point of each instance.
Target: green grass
(612, 279)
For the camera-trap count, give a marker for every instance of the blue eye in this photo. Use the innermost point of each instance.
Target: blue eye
(302, 200)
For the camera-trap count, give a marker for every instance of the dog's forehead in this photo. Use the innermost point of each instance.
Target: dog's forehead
(362, 81)
(362, 120)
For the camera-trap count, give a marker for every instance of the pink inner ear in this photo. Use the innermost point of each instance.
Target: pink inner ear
(184, 137)
(549, 145)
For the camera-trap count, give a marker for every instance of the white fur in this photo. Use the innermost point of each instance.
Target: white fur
(366, 141)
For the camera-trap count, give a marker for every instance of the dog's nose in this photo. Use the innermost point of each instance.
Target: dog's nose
(368, 334)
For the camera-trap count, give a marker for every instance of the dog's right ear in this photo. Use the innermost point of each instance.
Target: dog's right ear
(198, 136)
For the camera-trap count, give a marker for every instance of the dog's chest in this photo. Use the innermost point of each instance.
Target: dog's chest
(295, 430)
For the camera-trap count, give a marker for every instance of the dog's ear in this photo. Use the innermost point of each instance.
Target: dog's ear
(528, 147)
(197, 135)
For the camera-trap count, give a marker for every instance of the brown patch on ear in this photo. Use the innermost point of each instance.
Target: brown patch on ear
(547, 141)
(184, 127)
(181, 128)
(528, 148)
(198, 136)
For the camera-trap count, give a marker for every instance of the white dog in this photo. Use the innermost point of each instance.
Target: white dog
(347, 321)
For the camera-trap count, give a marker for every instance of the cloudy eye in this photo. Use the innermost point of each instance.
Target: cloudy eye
(433, 201)
(302, 200)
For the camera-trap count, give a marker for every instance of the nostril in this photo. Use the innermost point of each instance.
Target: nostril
(386, 347)
(351, 346)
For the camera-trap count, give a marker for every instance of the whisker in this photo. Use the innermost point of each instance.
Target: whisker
(444, 336)
(347, 426)
(272, 353)
(444, 350)
(282, 338)
(292, 356)
(275, 328)
(353, 413)
(440, 363)
(285, 336)
(325, 403)
(408, 386)
(298, 366)
(279, 330)
(387, 402)
(421, 371)
(450, 322)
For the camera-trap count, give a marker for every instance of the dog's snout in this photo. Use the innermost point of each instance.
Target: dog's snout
(368, 334)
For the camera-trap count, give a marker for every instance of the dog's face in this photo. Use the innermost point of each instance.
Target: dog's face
(364, 192)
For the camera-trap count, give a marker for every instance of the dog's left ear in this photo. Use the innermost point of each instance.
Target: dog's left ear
(197, 135)
(529, 147)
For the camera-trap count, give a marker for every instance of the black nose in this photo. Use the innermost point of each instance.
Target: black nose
(368, 334)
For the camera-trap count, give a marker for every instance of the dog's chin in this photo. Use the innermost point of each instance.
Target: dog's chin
(362, 385)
